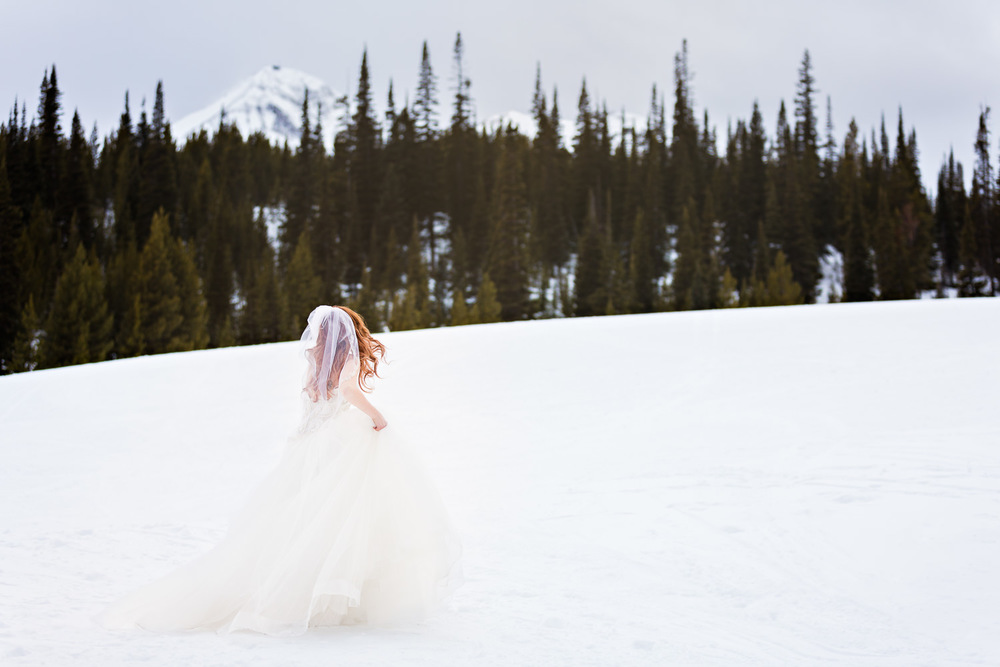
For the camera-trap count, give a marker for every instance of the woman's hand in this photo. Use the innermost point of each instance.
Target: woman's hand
(379, 421)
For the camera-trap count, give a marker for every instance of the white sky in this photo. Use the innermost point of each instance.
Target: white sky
(939, 60)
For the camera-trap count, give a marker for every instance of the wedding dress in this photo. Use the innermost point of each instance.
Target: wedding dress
(346, 529)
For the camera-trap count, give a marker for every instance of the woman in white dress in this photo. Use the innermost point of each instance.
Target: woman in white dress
(346, 529)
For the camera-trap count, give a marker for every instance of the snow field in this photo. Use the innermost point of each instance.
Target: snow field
(806, 485)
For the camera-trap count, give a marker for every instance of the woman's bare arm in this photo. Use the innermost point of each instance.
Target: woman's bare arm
(351, 391)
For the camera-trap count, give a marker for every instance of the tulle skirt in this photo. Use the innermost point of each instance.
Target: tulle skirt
(346, 529)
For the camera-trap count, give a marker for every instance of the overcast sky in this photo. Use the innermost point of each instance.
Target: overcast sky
(939, 60)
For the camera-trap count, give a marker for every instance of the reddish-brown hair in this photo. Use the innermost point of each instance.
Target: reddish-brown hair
(370, 350)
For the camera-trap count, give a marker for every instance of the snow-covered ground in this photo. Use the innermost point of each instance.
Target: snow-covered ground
(813, 485)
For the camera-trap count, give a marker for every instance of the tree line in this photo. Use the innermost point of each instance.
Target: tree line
(136, 244)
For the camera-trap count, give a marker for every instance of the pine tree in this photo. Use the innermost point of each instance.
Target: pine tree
(303, 288)
(749, 198)
(77, 195)
(226, 336)
(538, 102)
(332, 231)
(640, 266)
(461, 112)
(125, 300)
(619, 293)
(36, 252)
(890, 261)
(711, 251)
(10, 269)
(689, 260)
(193, 333)
(364, 164)
(653, 197)
(913, 219)
(394, 266)
(590, 282)
(199, 206)
(157, 174)
(859, 275)
(460, 150)
(133, 341)
(604, 182)
(16, 150)
(478, 236)
(982, 203)
(685, 175)
(125, 184)
(762, 249)
(949, 216)
(427, 176)
(487, 307)
(79, 327)
(405, 315)
(142, 143)
(424, 113)
(365, 300)
(303, 189)
(782, 290)
(728, 291)
(971, 279)
(24, 352)
(546, 191)
(265, 314)
(416, 275)
(793, 226)
(401, 152)
(389, 216)
(586, 185)
(626, 185)
(459, 309)
(50, 150)
(159, 299)
(507, 260)
(806, 144)
(826, 198)
(219, 271)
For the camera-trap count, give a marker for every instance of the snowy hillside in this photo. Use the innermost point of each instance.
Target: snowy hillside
(270, 102)
(814, 485)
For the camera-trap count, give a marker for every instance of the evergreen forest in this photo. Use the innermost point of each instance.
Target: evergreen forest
(137, 243)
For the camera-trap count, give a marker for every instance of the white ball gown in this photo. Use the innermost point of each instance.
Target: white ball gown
(346, 529)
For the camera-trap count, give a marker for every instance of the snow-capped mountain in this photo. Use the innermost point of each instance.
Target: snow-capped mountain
(270, 102)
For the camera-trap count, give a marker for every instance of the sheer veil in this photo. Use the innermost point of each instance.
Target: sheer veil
(330, 347)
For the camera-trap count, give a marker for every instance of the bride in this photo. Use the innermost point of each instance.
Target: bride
(346, 529)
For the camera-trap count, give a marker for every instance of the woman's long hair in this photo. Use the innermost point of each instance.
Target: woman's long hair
(370, 350)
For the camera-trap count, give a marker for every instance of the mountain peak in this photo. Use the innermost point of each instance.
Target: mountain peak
(270, 101)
